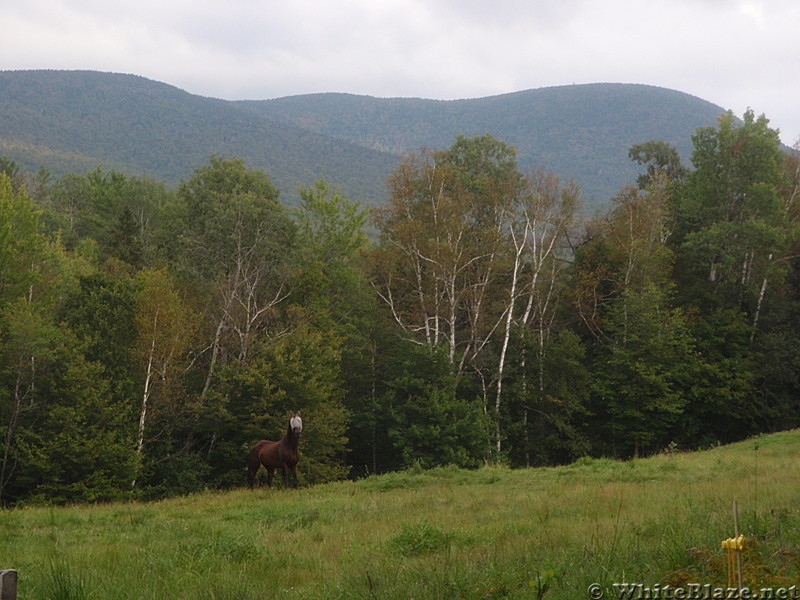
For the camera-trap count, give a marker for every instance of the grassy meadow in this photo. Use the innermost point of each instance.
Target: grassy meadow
(444, 533)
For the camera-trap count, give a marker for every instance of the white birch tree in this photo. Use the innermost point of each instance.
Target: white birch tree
(442, 245)
(538, 232)
(166, 329)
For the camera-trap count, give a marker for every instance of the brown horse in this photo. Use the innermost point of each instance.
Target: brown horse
(281, 455)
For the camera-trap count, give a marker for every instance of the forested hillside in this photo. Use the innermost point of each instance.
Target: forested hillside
(151, 335)
(76, 121)
(582, 132)
(68, 121)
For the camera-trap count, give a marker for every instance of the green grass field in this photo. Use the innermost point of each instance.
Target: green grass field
(445, 533)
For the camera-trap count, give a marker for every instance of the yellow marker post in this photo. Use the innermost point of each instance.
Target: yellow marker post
(734, 547)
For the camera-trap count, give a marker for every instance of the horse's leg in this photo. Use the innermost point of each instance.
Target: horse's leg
(295, 480)
(253, 463)
(285, 472)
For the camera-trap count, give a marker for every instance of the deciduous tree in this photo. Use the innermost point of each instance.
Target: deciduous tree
(237, 241)
(442, 244)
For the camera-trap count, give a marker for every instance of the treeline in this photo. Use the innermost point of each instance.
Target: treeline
(149, 336)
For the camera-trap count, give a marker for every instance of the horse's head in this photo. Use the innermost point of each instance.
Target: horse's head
(296, 423)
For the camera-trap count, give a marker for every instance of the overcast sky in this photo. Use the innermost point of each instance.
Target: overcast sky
(734, 53)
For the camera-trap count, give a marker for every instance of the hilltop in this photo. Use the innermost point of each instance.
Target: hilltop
(445, 533)
(73, 121)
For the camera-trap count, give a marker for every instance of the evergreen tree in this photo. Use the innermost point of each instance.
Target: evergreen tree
(431, 426)
(642, 376)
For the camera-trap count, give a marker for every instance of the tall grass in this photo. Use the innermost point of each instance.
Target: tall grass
(64, 583)
(444, 533)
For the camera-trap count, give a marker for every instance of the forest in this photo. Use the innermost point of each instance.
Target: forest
(149, 335)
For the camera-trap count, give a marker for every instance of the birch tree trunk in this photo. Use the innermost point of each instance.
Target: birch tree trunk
(519, 246)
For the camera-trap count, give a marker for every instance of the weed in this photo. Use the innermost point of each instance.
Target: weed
(420, 538)
(219, 546)
(542, 583)
(292, 520)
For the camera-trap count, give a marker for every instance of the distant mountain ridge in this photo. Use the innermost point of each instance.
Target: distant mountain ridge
(74, 121)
